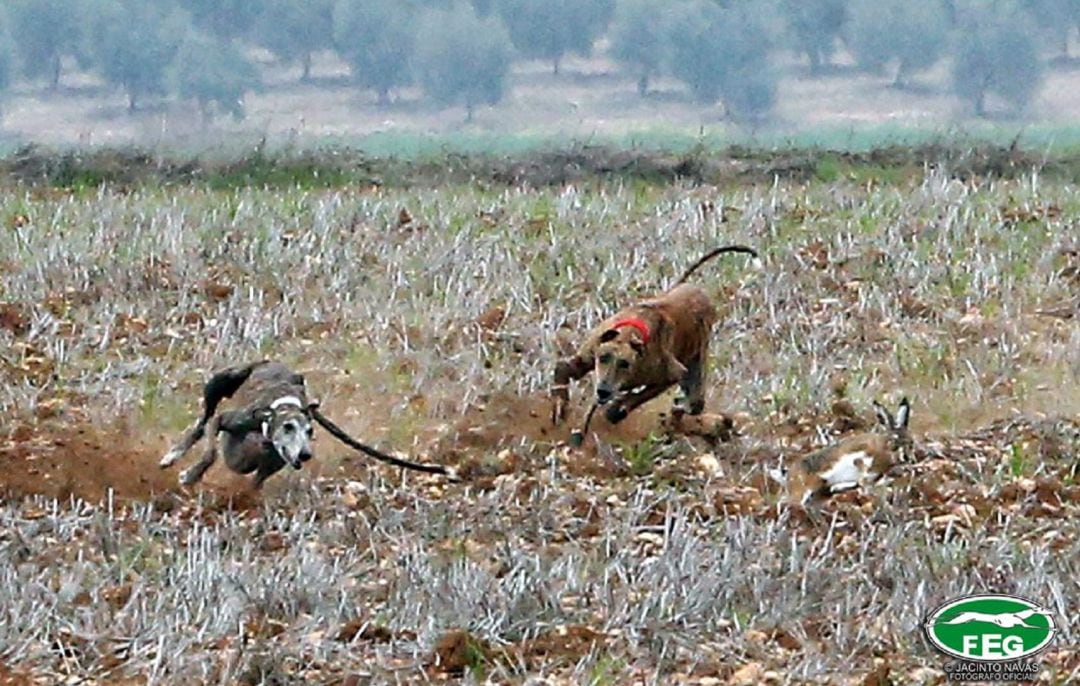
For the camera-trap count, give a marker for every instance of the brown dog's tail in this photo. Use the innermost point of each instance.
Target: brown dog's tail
(708, 256)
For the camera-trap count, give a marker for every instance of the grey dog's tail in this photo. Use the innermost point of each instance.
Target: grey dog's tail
(710, 255)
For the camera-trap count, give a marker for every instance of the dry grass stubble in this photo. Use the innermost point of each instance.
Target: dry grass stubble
(638, 560)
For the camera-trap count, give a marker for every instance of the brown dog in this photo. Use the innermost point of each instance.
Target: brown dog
(645, 349)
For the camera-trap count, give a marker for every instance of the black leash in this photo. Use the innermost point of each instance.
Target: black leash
(577, 437)
(348, 440)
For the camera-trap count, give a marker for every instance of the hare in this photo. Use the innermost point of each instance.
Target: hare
(856, 461)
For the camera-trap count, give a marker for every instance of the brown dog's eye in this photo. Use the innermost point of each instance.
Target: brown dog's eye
(605, 359)
(623, 364)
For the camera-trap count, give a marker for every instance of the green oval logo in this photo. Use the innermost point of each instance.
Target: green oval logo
(990, 628)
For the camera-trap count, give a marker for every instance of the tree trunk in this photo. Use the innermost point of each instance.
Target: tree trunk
(900, 82)
(132, 102)
(469, 109)
(555, 66)
(643, 84)
(980, 105)
(56, 67)
(306, 76)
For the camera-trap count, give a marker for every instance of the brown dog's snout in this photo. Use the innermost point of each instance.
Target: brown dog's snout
(604, 394)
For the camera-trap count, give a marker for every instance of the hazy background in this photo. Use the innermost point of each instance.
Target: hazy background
(399, 76)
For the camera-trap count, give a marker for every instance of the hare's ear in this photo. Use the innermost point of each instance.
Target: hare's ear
(903, 415)
(883, 415)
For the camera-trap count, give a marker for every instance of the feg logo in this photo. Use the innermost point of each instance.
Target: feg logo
(990, 628)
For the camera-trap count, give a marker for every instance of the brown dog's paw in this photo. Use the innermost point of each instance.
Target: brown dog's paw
(615, 414)
(695, 407)
(558, 413)
(712, 427)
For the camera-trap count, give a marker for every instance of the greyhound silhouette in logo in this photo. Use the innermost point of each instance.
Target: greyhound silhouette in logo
(1007, 620)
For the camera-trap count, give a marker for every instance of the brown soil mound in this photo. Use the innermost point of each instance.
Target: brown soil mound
(508, 419)
(83, 461)
(60, 460)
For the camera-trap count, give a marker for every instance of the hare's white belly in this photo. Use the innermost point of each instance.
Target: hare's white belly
(848, 471)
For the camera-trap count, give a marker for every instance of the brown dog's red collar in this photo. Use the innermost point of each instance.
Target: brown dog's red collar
(636, 323)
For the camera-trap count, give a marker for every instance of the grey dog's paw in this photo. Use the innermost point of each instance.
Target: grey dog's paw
(189, 477)
(170, 458)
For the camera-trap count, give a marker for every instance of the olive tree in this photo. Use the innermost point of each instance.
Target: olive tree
(214, 73)
(639, 40)
(462, 58)
(814, 27)
(226, 19)
(911, 34)
(551, 29)
(1057, 17)
(7, 58)
(376, 38)
(44, 31)
(293, 30)
(134, 42)
(722, 54)
(996, 54)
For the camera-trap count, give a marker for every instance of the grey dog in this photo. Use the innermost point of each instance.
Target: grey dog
(272, 426)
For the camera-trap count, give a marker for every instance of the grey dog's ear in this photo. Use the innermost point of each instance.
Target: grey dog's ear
(259, 417)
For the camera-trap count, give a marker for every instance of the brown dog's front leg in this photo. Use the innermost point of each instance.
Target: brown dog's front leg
(565, 372)
(676, 370)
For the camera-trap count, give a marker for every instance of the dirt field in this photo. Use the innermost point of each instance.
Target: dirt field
(427, 320)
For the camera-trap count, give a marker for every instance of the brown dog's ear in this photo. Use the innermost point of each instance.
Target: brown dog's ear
(637, 345)
(609, 335)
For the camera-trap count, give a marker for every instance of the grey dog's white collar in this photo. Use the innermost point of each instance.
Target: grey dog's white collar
(286, 400)
(280, 402)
